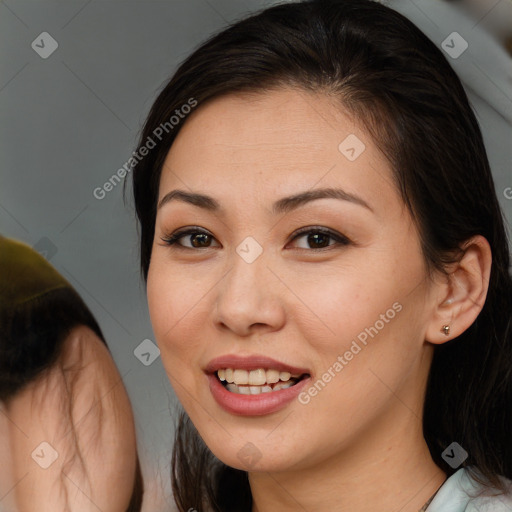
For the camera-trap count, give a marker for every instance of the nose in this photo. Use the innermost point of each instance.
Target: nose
(249, 299)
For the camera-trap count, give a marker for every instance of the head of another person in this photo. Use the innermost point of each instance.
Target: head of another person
(59, 384)
(333, 144)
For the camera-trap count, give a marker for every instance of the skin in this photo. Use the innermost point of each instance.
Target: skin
(358, 444)
(81, 408)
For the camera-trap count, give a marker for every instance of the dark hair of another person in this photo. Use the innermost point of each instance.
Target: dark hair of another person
(381, 68)
(31, 339)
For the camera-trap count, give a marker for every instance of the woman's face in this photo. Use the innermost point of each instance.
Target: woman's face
(346, 306)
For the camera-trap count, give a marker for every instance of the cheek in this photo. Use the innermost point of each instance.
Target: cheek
(175, 301)
(369, 313)
(367, 331)
(337, 305)
(173, 308)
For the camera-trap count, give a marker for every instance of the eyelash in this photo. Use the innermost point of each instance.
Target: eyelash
(341, 240)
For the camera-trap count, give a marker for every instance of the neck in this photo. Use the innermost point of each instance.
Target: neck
(382, 472)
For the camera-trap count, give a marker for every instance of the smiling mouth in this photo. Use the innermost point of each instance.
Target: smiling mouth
(255, 382)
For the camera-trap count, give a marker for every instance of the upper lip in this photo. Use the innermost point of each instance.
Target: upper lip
(253, 362)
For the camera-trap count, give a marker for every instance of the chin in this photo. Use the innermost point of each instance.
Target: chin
(247, 452)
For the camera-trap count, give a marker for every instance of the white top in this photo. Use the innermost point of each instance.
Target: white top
(460, 493)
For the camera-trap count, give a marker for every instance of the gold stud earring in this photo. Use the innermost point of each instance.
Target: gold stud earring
(446, 330)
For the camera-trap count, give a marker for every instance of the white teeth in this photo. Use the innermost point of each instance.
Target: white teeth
(272, 376)
(282, 385)
(241, 377)
(257, 381)
(257, 377)
(256, 390)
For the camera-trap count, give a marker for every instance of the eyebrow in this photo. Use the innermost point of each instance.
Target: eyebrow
(283, 205)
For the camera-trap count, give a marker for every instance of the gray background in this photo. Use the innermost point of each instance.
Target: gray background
(69, 121)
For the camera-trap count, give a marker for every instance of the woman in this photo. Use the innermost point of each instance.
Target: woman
(327, 270)
(67, 436)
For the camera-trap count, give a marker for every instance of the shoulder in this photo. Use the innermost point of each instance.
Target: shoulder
(462, 493)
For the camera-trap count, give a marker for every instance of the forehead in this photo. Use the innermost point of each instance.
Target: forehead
(274, 143)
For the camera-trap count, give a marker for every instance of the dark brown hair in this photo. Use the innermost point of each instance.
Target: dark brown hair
(401, 88)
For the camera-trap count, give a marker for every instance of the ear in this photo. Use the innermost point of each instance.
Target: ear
(460, 295)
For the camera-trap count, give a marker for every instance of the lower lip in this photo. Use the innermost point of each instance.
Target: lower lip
(254, 405)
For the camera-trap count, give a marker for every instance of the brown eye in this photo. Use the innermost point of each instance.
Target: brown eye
(319, 238)
(196, 239)
(200, 240)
